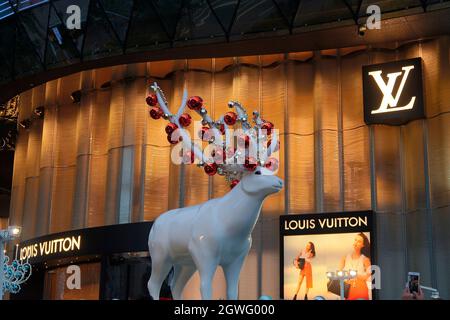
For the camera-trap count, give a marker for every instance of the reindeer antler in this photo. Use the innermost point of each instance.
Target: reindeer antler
(224, 153)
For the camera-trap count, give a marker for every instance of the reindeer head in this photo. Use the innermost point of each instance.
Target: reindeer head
(249, 161)
(261, 181)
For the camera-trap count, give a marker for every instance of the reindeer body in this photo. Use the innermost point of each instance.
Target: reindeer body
(202, 237)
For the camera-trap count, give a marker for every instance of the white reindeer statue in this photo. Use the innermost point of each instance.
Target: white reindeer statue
(216, 232)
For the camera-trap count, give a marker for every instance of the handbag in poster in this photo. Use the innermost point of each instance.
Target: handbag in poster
(334, 286)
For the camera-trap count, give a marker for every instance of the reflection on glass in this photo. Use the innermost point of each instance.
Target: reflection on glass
(55, 285)
(126, 277)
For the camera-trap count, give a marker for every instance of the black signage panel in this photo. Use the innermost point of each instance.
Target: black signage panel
(130, 237)
(393, 92)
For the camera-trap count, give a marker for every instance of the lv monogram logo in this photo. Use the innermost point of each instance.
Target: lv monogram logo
(389, 102)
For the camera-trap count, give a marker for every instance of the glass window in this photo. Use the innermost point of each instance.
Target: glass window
(127, 275)
(55, 285)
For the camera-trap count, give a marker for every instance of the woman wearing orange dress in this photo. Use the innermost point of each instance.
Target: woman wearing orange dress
(359, 261)
(308, 253)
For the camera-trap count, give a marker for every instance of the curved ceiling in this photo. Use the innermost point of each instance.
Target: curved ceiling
(35, 40)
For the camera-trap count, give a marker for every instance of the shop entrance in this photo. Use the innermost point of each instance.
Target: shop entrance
(124, 277)
(111, 277)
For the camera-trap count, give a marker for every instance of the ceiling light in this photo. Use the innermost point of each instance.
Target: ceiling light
(362, 28)
(76, 96)
(39, 111)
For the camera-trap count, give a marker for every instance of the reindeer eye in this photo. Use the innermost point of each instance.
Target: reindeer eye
(258, 172)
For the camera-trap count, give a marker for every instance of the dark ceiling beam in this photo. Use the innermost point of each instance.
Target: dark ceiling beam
(358, 10)
(280, 12)
(110, 23)
(46, 33)
(291, 24)
(161, 20)
(349, 7)
(172, 38)
(424, 4)
(20, 28)
(233, 19)
(217, 18)
(88, 18)
(130, 19)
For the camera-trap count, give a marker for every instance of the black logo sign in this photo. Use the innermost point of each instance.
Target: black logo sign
(393, 92)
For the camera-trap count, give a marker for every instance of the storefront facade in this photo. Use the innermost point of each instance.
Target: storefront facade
(104, 161)
(91, 165)
(108, 263)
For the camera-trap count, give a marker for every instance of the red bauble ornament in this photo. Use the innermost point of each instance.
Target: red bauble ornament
(277, 147)
(234, 183)
(210, 169)
(169, 138)
(185, 120)
(230, 118)
(250, 163)
(267, 126)
(151, 100)
(156, 113)
(272, 164)
(204, 134)
(195, 103)
(188, 157)
(171, 127)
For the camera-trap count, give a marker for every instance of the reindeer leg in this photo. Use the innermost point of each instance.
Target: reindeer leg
(160, 268)
(206, 272)
(232, 272)
(181, 277)
(206, 263)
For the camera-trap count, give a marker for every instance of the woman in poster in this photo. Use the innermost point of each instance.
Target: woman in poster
(358, 260)
(308, 253)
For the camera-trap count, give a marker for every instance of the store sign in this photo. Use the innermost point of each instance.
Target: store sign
(393, 92)
(329, 243)
(325, 224)
(54, 246)
(129, 237)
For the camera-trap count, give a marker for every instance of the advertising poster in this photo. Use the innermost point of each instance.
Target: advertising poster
(317, 247)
